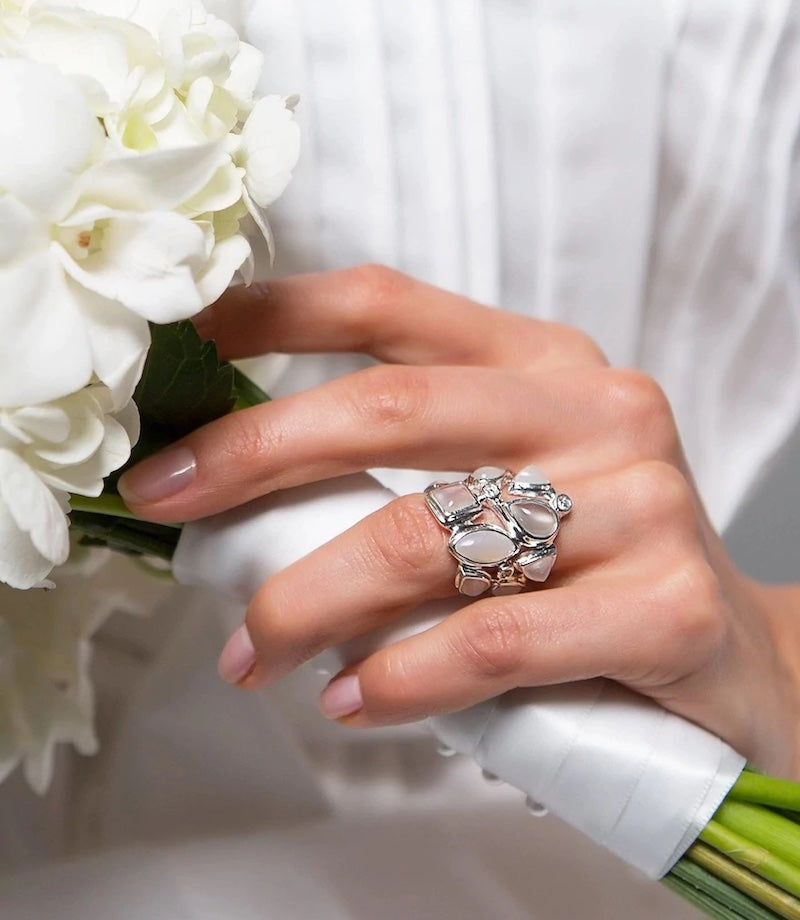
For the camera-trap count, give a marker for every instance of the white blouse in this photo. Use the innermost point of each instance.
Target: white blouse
(626, 167)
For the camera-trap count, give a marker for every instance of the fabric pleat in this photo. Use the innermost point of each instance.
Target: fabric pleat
(628, 168)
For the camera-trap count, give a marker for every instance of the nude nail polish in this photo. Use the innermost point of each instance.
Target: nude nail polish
(342, 697)
(238, 658)
(160, 476)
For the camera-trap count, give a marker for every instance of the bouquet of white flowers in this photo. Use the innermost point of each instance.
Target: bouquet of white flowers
(135, 159)
(133, 156)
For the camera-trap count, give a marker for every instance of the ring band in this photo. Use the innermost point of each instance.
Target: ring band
(502, 527)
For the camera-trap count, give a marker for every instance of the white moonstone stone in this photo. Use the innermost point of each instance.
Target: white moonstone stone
(485, 547)
(453, 498)
(535, 518)
(488, 472)
(539, 569)
(531, 476)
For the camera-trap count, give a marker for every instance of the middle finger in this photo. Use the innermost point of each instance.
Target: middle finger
(396, 559)
(402, 417)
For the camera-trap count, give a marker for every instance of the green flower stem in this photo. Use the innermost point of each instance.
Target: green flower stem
(714, 896)
(749, 854)
(107, 503)
(775, 833)
(127, 536)
(766, 790)
(783, 903)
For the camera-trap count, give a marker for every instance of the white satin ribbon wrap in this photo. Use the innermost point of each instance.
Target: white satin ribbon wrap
(636, 779)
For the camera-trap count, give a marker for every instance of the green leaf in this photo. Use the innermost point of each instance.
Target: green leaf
(184, 384)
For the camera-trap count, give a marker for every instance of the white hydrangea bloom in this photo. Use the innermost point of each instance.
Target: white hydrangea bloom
(90, 248)
(122, 187)
(46, 696)
(46, 693)
(46, 452)
(131, 149)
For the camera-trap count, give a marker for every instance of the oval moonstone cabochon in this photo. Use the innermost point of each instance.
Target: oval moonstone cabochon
(535, 518)
(484, 546)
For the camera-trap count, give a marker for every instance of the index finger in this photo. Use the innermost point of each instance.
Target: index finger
(380, 312)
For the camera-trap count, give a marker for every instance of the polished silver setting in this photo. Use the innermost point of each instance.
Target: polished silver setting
(502, 527)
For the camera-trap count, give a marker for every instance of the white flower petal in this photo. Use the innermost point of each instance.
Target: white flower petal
(124, 9)
(245, 73)
(128, 417)
(46, 422)
(259, 215)
(95, 47)
(228, 256)
(46, 124)
(148, 263)
(33, 528)
(157, 181)
(44, 348)
(119, 340)
(84, 475)
(223, 191)
(86, 432)
(21, 564)
(270, 149)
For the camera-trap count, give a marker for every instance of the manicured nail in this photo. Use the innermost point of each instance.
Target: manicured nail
(159, 476)
(238, 658)
(342, 697)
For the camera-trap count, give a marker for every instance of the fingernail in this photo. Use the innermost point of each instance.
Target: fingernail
(159, 476)
(342, 697)
(238, 658)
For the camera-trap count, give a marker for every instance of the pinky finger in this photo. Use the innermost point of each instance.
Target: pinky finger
(563, 634)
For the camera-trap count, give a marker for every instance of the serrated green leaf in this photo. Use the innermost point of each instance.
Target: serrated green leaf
(184, 384)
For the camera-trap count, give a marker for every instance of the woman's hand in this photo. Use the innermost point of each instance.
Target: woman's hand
(643, 590)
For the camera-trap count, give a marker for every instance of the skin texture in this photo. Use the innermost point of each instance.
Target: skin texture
(643, 591)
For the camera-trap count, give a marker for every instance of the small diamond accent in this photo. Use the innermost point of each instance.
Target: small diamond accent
(564, 503)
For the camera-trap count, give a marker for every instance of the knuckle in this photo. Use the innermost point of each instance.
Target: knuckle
(576, 345)
(640, 403)
(391, 688)
(279, 626)
(493, 642)
(391, 395)
(660, 493)
(406, 538)
(693, 598)
(379, 282)
(373, 289)
(249, 438)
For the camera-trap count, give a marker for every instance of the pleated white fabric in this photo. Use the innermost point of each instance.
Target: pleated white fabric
(625, 167)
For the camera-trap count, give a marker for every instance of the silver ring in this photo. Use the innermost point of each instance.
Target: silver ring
(503, 527)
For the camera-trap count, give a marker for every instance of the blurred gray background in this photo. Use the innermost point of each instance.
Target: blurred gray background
(765, 536)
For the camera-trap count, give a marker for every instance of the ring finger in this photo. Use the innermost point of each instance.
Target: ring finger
(396, 559)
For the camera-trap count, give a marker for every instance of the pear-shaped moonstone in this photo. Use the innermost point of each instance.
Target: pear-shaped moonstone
(485, 547)
(535, 519)
(531, 476)
(539, 569)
